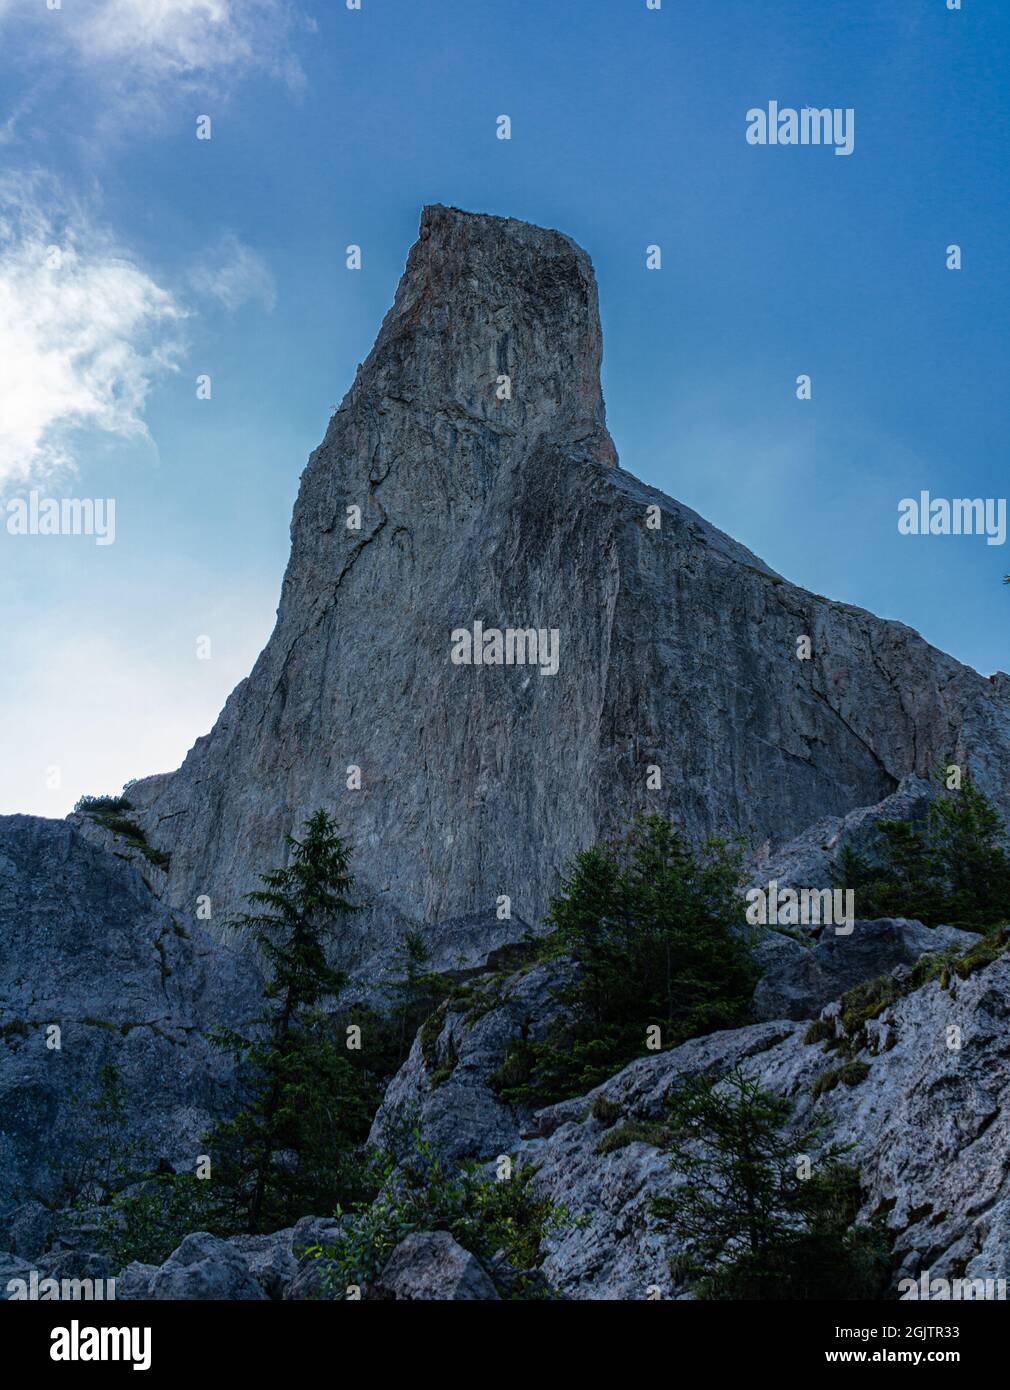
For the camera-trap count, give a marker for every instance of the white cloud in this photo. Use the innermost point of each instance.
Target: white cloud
(233, 274)
(84, 331)
(137, 41)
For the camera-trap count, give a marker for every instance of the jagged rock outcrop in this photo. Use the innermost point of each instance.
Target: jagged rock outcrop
(86, 947)
(473, 441)
(929, 1123)
(443, 1086)
(801, 976)
(811, 857)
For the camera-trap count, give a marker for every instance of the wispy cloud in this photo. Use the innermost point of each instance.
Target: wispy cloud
(84, 331)
(234, 274)
(137, 43)
(176, 37)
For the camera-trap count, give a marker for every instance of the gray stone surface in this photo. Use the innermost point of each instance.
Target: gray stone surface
(678, 647)
(205, 1268)
(929, 1126)
(133, 1284)
(806, 860)
(85, 945)
(460, 1115)
(430, 1266)
(28, 1230)
(800, 978)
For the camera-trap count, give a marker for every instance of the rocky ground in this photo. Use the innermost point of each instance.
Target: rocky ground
(926, 1111)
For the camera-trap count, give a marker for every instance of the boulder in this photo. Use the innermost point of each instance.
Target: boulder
(443, 1087)
(802, 976)
(133, 1284)
(207, 1269)
(431, 1266)
(29, 1229)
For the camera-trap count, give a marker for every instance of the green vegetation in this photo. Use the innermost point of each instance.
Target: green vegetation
(151, 1221)
(104, 1160)
(483, 1214)
(295, 1144)
(634, 1131)
(749, 1223)
(102, 805)
(648, 924)
(107, 811)
(846, 1074)
(872, 998)
(953, 869)
(292, 1148)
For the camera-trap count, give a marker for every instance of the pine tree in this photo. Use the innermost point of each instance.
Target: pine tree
(291, 1148)
(649, 924)
(952, 868)
(752, 1220)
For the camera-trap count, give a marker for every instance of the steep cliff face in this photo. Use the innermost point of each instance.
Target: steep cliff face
(473, 441)
(94, 970)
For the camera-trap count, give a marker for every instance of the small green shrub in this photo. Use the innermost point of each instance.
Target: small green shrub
(821, 1030)
(483, 1215)
(634, 1131)
(848, 1074)
(750, 1224)
(95, 805)
(608, 1112)
(954, 868)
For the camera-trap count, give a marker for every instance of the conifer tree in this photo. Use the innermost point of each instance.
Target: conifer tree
(291, 1148)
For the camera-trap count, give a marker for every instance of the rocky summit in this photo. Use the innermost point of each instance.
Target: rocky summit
(469, 478)
(495, 648)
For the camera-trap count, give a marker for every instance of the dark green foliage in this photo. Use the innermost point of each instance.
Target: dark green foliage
(292, 1148)
(821, 1030)
(105, 1159)
(541, 1071)
(608, 1112)
(648, 924)
(106, 811)
(871, 998)
(414, 992)
(150, 1221)
(751, 1226)
(483, 1215)
(953, 869)
(104, 805)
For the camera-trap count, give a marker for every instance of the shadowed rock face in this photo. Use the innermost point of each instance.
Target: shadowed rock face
(85, 945)
(677, 646)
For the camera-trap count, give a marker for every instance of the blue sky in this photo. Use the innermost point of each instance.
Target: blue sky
(331, 126)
